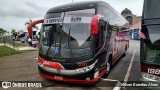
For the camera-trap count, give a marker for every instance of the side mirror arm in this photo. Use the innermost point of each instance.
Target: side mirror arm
(30, 31)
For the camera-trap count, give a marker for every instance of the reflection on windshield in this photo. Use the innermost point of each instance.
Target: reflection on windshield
(80, 34)
(65, 44)
(151, 46)
(67, 34)
(154, 33)
(151, 54)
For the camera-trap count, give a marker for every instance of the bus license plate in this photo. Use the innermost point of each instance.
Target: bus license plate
(58, 77)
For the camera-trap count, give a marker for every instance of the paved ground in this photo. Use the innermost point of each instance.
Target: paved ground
(23, 67)
(119, 71)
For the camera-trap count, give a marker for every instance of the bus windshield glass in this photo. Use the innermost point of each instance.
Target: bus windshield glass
(151, 46)
(67, 34)
(151, 28)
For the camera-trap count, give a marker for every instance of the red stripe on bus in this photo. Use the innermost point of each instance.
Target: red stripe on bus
(50, 64)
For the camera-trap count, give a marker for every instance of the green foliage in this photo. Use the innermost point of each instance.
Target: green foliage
(11, 43)
(13, 31)
(1, 41)
(2, 31)
(5, 51)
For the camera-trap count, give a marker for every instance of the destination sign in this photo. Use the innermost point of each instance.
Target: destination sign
(76, 19)
(53, 20)
(68, 20)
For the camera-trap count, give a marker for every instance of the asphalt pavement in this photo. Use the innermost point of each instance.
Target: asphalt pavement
(23, 67)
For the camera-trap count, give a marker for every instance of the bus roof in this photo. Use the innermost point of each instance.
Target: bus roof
(79, 6)
(91, 4)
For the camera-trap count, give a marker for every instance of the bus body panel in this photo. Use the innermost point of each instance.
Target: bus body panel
(150, 42)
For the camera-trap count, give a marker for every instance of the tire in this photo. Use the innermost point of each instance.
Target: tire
(125, 53)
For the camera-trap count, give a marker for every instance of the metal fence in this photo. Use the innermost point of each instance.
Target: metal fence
(9, 42)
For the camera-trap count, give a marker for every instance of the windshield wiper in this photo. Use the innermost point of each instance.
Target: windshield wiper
(69, 44)
(60, 42)
(47, 54)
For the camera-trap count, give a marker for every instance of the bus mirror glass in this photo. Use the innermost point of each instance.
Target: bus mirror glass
(141, 35)
(95, 24)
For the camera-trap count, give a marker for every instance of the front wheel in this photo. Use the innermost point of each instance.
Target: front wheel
(125, 51)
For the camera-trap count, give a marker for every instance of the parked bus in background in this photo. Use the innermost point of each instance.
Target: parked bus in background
(150, 41)
(79, 42)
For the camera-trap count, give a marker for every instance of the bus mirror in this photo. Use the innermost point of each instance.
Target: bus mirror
(95, 24)
(142, 35)
(30, 31)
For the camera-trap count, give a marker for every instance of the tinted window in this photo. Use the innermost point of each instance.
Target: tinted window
(154, 34)
(151, 9)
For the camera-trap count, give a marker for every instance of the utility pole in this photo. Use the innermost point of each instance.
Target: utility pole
(72, 1)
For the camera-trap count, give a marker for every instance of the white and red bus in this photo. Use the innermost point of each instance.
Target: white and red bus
(150, 41)
(79, 42)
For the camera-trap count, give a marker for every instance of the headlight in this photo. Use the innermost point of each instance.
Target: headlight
(150, 76)
(86, 69)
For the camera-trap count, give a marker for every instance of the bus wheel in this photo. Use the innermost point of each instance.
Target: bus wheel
(125, 51)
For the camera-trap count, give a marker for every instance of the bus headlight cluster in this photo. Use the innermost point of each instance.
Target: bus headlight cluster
(86, 69)
(150, 76)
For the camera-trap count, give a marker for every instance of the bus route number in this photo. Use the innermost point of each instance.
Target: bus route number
(82, 64)
(76, 19)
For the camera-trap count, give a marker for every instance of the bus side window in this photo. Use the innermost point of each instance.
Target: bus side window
(109, 31)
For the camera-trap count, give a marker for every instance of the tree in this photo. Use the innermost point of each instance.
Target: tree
(13, 31)
(29, 22)
(2, 31)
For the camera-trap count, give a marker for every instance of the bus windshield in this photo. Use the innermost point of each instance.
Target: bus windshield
(151, 29)
(68, 36)
(151, 46)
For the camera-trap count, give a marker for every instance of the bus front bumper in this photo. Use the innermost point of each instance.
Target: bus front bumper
(71, 77)
(151, 81)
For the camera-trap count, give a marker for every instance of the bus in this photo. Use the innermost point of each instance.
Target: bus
(79, 42)
(150, 41)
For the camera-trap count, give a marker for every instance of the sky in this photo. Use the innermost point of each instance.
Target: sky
(14, 13)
